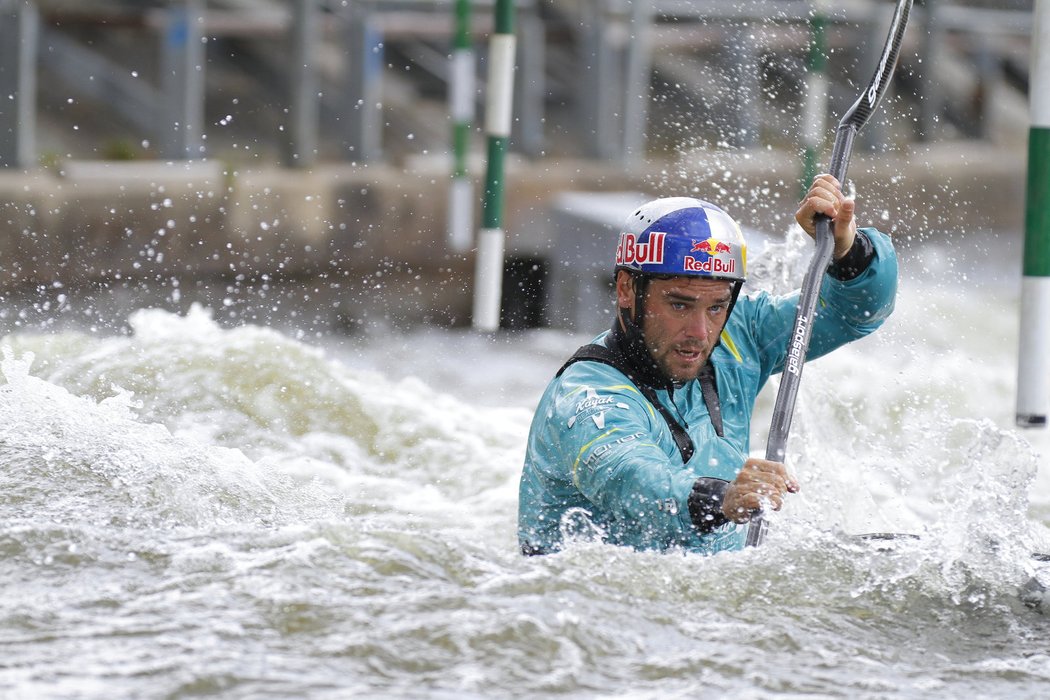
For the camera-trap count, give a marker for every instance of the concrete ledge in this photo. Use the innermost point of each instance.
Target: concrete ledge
(376, 233)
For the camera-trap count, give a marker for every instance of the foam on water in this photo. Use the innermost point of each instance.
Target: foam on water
(273, 412)
(191, 509)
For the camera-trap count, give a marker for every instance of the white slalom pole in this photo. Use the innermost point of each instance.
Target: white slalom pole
(461, 107)
(1033, 364)
(488, 276)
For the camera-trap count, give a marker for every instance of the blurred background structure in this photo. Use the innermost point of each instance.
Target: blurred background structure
(160, 140)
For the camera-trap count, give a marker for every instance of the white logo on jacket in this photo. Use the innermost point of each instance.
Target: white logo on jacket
(595, 406)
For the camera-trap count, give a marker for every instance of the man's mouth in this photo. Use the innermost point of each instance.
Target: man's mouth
(688, 354)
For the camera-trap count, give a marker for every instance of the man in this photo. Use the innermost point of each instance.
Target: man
(643, 437)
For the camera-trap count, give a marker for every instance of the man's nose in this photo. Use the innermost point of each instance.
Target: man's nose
(698, 324)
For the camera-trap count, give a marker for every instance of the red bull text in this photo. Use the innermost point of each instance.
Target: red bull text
(713, 266)
(633, 252)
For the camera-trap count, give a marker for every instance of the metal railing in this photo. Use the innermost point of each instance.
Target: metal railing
(616, 45)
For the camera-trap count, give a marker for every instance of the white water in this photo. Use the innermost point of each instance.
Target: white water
(196, 510)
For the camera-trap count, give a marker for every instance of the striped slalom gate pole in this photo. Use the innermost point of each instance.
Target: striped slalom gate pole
(488, 271)
(814, 108)
(1033, 365)
(461, 108)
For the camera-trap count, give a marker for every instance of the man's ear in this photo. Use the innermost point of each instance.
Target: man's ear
(625, 296)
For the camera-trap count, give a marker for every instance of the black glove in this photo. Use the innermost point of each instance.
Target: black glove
(705, 504)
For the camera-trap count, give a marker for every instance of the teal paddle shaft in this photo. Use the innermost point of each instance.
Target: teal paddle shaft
(798, 342)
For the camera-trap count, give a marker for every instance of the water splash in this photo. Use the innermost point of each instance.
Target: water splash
(75, 459)
(360, 535)
(293, 411)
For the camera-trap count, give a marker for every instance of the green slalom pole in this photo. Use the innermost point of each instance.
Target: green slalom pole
(1033, 366)
(814, 108)
(461, 108)
(488, 276)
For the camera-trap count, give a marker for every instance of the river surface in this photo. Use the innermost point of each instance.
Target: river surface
(243, 510)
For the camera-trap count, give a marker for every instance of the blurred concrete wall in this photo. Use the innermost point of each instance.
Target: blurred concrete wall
(378, 231)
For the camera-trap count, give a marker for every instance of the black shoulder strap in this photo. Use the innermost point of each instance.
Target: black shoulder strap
(709, 388)
(600, 353)
(595, 353)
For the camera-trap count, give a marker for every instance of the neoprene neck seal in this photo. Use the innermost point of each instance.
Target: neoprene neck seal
(630, 345)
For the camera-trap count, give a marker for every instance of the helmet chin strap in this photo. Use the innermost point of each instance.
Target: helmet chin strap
(631, 339)
(641, 286)
(737, 286)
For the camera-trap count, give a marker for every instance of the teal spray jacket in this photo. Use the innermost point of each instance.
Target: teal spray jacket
(601, 461)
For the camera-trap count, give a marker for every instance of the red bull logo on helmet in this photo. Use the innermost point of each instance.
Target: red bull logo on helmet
(711, 263)
(710, 246)
(712, 266)
(631, 251)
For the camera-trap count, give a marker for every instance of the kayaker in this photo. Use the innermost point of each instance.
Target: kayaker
(642, 438)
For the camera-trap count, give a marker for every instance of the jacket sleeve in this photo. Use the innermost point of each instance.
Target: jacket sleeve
(846, 310)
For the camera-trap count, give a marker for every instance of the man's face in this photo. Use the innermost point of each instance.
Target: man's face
(681, 320)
